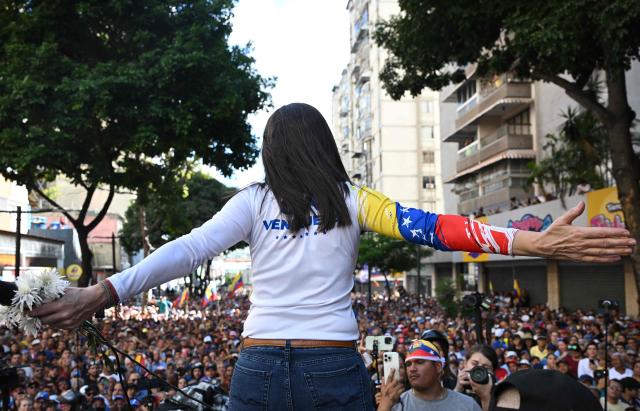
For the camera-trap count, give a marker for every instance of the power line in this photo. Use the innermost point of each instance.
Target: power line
(38, 211)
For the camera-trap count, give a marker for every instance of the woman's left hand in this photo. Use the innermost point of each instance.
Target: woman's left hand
(73, 308)
(564, 241)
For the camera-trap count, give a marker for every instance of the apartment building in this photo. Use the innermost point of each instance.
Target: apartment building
(500, 124)
(391, 146)
(494, 129)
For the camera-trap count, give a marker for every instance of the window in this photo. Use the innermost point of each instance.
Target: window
(465, 92)
(426, 135)
(426, 106)
(428, 157)
(520, 124)
(429, 182)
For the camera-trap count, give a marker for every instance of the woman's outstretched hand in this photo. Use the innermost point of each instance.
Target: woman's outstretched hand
(564, 241)
(74, 307)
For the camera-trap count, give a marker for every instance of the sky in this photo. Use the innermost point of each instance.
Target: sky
(304, 43)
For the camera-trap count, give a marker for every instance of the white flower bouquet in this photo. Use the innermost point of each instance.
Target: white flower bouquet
(33, 289)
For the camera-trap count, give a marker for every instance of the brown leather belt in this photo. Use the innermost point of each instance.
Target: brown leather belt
(259, 342)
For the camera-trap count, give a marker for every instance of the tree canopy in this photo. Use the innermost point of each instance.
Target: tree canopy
(387, 254)
(432, 41)
(120, 94)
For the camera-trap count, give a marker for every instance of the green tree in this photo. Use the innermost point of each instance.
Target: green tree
(577, 154)
(447, 296)
(564, 42)
(122, 94)
(172, 214)
(388, 255)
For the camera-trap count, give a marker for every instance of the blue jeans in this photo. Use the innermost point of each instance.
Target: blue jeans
(284, 378)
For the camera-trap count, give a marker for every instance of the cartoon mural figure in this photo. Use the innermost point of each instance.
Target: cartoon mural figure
(601, 220)
(531, 222)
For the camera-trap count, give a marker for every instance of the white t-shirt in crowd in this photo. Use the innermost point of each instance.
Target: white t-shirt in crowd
(615, 375)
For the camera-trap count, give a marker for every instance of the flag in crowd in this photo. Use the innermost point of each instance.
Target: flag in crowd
(182, 299)
(210, 295)
(517, 290)
(236, 284)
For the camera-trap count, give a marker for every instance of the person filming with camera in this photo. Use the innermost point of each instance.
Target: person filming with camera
(424, 364)
(478, 375)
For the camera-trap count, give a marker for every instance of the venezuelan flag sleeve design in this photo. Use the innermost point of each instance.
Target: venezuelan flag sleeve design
(443, 232)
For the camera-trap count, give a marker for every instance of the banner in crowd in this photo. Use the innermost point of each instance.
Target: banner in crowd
(603, 208)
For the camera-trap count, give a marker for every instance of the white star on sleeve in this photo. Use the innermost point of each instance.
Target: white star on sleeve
(406, 221)
(414, 233)
(404, 209)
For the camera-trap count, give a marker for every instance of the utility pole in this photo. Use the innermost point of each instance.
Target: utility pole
(18, 238)
(113, 252)
(369, 283)
(419, 280)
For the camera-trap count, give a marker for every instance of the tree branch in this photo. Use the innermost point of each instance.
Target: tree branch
(87, 201)
(585, 99)
(53, 203)
(104, 209)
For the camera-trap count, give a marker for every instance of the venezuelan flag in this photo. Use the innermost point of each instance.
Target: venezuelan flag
(236, 284)
(209, 295)
(517, 290)
(182, 299)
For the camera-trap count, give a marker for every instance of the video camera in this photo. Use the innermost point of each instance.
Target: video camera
(477, 300)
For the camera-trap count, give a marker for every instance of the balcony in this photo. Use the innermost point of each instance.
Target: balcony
(502, 98)
(500, 141)
(491, 200)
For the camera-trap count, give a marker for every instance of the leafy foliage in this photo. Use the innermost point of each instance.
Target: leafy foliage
(578, 154)
(387, 254)
(431, 41)
(122, 94)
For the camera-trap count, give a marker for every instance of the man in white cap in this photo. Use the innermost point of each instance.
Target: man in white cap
(424, 370)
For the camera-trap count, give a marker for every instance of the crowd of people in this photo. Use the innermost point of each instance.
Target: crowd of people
(193, 346)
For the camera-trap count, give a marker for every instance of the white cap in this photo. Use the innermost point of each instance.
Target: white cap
(511, 354)
(525, 318)
(208, 339)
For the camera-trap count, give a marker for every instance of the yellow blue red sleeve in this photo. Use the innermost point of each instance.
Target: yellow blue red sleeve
(444, 232)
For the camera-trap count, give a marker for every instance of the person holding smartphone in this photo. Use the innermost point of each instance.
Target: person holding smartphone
(425, 370)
